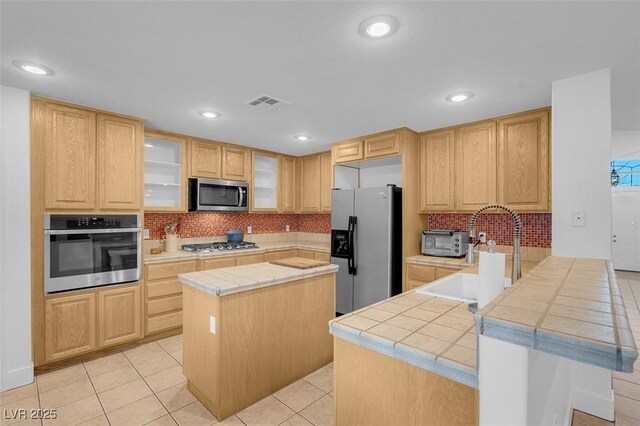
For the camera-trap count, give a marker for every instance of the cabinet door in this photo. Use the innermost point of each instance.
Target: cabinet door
(70, 158)
(443, 272)
(326, 181)
(70, 325)
(225, 262)
(287, 184)
(311, 184)
(306, 254)
(347, 151)
(235, 163)
(278, 255)
(475, 166)
(165, 172)
(249, 259)
(119, 315)
(418, 275)
(381, 145)
(264, 182)
(437, 172)
(119, 162)
(523, 161)
(205, 159)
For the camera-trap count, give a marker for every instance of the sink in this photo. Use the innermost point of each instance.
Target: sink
(461, 287)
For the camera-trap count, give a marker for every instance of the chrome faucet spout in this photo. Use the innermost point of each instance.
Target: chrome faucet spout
(516, 270)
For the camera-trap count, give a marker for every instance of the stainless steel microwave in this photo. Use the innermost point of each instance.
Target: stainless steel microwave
(218, 195)
(445, 243)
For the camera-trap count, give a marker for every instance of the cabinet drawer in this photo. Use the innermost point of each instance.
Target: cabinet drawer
(164, 322)
(277, 255)
(421, 273)
(248, 259)
(443, 272)
(217, 263)
(167, 270)
(347, 151)
(382, 145)
(163, 288)
(307, 254)
(163, 305)
(325, 257)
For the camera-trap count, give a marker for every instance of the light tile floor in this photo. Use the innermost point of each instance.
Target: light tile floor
(144, 385)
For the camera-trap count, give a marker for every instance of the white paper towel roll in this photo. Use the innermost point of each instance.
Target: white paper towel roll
(491, 282)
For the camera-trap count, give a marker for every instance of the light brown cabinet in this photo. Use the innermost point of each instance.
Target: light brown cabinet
(206, 159)
(326, 181)
(287, 184)
(70, 325)
(119, 315)
(265, 182)
(249, 259)
(119, 162)
(437, 166)
(69, 156)
(523, 161)
(236, 163)
(310, 183)
(419, 275)
(278, 255)
(381, 145)
(343, 152)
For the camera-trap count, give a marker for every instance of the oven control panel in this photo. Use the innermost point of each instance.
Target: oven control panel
(62, 221)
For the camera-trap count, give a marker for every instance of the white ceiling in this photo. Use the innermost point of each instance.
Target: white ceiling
(164, 61)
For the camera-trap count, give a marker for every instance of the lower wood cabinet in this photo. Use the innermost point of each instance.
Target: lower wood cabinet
(277, 255)
(249, 259)
(70, 325)
(419, 275)
(119, 315)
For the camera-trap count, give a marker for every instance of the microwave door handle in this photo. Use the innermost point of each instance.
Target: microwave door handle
(240, 197)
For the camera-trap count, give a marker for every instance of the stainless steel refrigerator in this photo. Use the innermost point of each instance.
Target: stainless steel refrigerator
(366, 243)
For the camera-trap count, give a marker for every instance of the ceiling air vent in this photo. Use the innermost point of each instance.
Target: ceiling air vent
(267, 102)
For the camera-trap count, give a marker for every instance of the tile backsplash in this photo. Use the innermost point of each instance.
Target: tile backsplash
(536, 227)
(201, 224)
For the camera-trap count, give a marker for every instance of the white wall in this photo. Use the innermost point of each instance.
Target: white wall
(381, 176)
(625, 144)
(16, 366)
(581, 144)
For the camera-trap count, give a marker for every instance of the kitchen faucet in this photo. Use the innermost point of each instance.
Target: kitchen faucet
(517, 222)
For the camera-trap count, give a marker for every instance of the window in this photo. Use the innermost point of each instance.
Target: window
(625, 173)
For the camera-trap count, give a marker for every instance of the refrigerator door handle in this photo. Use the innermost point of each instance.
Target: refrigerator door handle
(353, 221)
(349, 248)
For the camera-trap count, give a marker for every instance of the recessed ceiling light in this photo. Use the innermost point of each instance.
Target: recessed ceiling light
(209, 114)
(302, 138)
(459, 97)
(378, 27)
(33, 68)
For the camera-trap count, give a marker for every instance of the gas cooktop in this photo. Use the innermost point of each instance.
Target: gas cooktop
(213, 247)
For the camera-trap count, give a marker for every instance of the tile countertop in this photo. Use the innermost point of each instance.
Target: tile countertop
(568, 307)
(263, 247)
(236, 279)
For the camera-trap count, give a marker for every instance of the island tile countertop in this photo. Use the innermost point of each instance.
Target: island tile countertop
(263, 247)
(568, 307)
(236, 279)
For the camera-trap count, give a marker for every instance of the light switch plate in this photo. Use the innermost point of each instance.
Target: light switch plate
(212, 324)
(578, 218)
(249, 229)
(287, 228)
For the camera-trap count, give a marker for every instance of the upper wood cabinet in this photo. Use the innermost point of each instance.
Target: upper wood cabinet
(287, 183)
(475, 166)
(523, 161)
(165, 171)
(381, 145)
(119, 162)
(206, 159)
(347, 151)
(310, 184)
(69, 155)
(236, 163)
(119, 315)
(326, 181)
(70, 325)
(264, 182)
(437, 166)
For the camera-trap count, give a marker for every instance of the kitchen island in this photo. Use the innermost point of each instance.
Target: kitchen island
(251, 330)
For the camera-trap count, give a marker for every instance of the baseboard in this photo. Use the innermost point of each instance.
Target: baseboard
(16, 378)
(594, 405)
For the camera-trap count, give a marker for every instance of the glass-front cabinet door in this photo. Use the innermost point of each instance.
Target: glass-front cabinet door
(264, 182)
(165, 174)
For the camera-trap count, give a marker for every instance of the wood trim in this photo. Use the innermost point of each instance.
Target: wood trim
(84, 107)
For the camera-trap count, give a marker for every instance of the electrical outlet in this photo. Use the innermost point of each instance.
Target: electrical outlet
(287, 228)
(212, 325)
(482, 236)
(249, 229)
(145, 234)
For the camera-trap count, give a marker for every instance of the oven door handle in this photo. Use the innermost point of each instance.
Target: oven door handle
(90, 231)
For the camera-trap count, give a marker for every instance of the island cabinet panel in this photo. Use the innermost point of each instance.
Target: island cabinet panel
(265, 339)
(119, 162)
(70, 325)
(347, 151)
(437, 171)
(475, 166)
(523, 161)
(381, 145)
(206, 159)
(119, 315)
(396, 393)
(69, 156)
(236, 163)
(163, 295)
